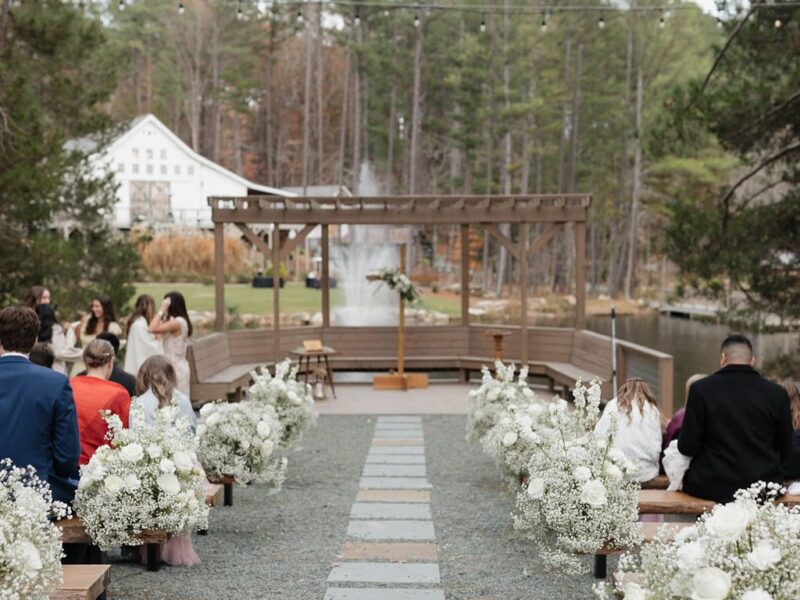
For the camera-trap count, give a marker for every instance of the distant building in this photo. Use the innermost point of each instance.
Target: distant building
(162, 181)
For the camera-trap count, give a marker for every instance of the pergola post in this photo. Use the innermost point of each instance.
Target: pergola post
(580, 275)
(465, 275)
(523, 292)
(219, 276)
(326, 280)
(276, 290)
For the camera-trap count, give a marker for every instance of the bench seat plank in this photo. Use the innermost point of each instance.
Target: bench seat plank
(568, 373)
(83, 582)
(74, 532)
(233, 374)
(662, 502)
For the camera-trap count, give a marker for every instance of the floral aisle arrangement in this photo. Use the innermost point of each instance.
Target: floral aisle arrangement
(291, 399)
(147, 479)
(747, 549)
(400, 283)
(240, 440)
(493, 396)
(30, 545)
(577, 500)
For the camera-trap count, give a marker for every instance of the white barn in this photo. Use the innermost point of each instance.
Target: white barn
(162, 181)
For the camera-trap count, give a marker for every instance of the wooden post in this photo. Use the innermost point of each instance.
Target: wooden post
(401, 329)
(276, 291)
(326, 280)
(523, 292)
(580, 275)
(465, 275)
(219, 276)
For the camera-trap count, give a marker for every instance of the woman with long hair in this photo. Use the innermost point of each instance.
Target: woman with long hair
(141, 343)
(638, 427)
(38, 299)
(155, 389)
(101, 318)
(791, 467)
(172, 322)
(675, 424)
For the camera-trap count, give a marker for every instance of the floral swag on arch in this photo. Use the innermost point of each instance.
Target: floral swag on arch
(398, 281)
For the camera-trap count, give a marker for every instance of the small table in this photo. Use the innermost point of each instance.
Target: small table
(321, 355)
(498, 335)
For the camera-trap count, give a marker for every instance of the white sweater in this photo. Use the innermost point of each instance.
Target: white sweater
(638, 438)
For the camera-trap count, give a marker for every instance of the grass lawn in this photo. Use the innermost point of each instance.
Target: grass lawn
(295, 297)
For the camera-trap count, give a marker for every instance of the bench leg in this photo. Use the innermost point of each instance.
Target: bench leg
(153, 557)
(202, 532)
(228, 494)
(600, 566)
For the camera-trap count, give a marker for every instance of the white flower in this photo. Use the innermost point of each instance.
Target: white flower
(208, 409)
(582, 473)
(113, 484)
(758, 594)
(690, 557)
(509, 439)
(525, 421)
(29, 557)
(710, 583)
(131, 453)
(633, 591)
(263, 429)
(201, 429)
(509, 394)
(294, 398)
(685, 534)
(154, 451)
(169, 484)
(132, 482)
(764, 556)
(535, 410)
(593, 493)
(613, 471)
(729, 521)
(267, 447)
(166, 466)
(536, 488)
(245, 444)
(182, 461)
(528, 392)
(493, 394)
(213, 419)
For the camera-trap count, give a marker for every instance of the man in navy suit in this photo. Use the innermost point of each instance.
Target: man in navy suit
(38, 422)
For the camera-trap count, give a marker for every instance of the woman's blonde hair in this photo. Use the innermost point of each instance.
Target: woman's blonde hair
(634, 390)
(691, 381)
(794, 402)
(157, 374)
(98, 353)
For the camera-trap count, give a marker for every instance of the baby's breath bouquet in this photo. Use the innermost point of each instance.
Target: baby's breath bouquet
(30, 545)
(747, 549)
(577, 500)
(147, 479)
(240, 440)
(291, 399)
(402, 284)
(493, 396)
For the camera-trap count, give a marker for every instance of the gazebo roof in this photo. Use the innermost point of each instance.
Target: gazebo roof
(401, 210)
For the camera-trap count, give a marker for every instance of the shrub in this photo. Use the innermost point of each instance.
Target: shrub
(178, 254)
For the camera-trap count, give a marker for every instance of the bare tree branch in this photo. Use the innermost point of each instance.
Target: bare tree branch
(793, 98)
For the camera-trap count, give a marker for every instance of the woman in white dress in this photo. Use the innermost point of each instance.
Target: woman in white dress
(638, 427)
(173, 324)
(141, 343)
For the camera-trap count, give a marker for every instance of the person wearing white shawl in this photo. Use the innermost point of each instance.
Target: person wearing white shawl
(141, 343)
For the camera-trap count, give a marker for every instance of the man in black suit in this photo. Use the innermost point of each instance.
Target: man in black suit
(118, 374)
(737, 428)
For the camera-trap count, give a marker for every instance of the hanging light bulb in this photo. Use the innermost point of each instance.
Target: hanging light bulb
(416, 17)
(483, 25)
(778, 23)
(122, 4)
(239, 14)
(386, 12)
(181, 8)
(601, 22)
(719, 23)
(661, 22)
(543, 25)
(299, 16)
(357, 19)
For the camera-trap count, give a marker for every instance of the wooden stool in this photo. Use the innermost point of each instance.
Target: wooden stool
(83, 582)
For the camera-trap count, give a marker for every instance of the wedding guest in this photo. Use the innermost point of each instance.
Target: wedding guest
(676, 422)
(141, 343)
(42, 354)
(37, 295)
(791, 466)
(155, 389)
(118, 374)
(638, 427)
(101, 318)
(38, 298)
(173, 323)
(38, 423)
(93, 393)
(737, 427)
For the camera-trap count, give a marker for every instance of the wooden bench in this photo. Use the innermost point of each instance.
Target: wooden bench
(83, 582)
(662, 502)
(213, 374)
(649, 532)
(659, 482)
(226, 484)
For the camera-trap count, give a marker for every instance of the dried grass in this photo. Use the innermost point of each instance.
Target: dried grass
(190, 254)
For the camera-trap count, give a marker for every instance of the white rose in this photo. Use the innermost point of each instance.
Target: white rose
(613, 471)
(113, 484)
(617, 456)
(758, 594)
(582, 473)
(685, 534)
(535, 410)
(201, 429)
(267, 447)
(509, 394)
(131, 453)
(729, 522)
(764, 556)
(213, 419)
(690, 557)
(182, 461)
(263, 429)
(528, 392)
(525, 421)
(493, 394)
(168, 483)
(536, 488)
(710, 583)
(166, 466)
(294, 398)
(30, 558)
(132, 482)
(509, 439)
(245, 444)
(593, 493)
(154, 450)
(478, 415)
(208, 409)
(633, 591)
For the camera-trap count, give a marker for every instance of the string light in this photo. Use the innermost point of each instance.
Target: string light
(719, 23)
(601, 22)
(661, 22)
(386, 12)
(181, 8)
(543, 26)
(416, 17)
(122, 5)
(483, 24)
(357, 19)
(778, 23)
(299, 16)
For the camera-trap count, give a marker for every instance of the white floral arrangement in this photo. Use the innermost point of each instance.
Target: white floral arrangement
(147, 479)
(400, 282)
(240, 440)
(747, 549)
(578, 499)
(494, 395)
(291, 399)
(30, 545)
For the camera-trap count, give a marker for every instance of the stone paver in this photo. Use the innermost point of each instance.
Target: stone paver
(397, 442)
(399, 419)
(369, 572)
(393, 496)
(398, 434)
(395, 459)
(391, 551)
(383, 594)
(394, 483)
(391, 530)
(397, 426)
(386, 449)
(386, 510)
(394, 471)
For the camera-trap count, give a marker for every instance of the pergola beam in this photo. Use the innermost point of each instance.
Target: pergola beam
(254, 239)
(540, 242)
(504, 240)
(298, 239)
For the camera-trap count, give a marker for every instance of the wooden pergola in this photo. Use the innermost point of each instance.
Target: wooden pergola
(555, 210)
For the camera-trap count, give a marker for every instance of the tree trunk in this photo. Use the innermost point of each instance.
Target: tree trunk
(505, 174)
(416, 109)
(307, 97)
(564, 113)
(576, 105)
(269, 131)
(392, 133)
(345, 110)
(357, 110)
(637, 188)
(215, 111)
(238, 163)
(5, 17)
(320, 99)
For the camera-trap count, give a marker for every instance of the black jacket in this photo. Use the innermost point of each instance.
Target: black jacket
(791, 466)
(737, 429)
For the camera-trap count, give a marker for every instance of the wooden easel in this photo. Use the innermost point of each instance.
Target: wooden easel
(400, 380)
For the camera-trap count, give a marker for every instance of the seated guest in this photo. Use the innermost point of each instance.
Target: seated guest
(38, 424)
(676, 422)
(118, 374)
(93, 393)
(42, 354)
(141, 343)
(156, 389)
(791, 466)
(737, 427)
(638, 427)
